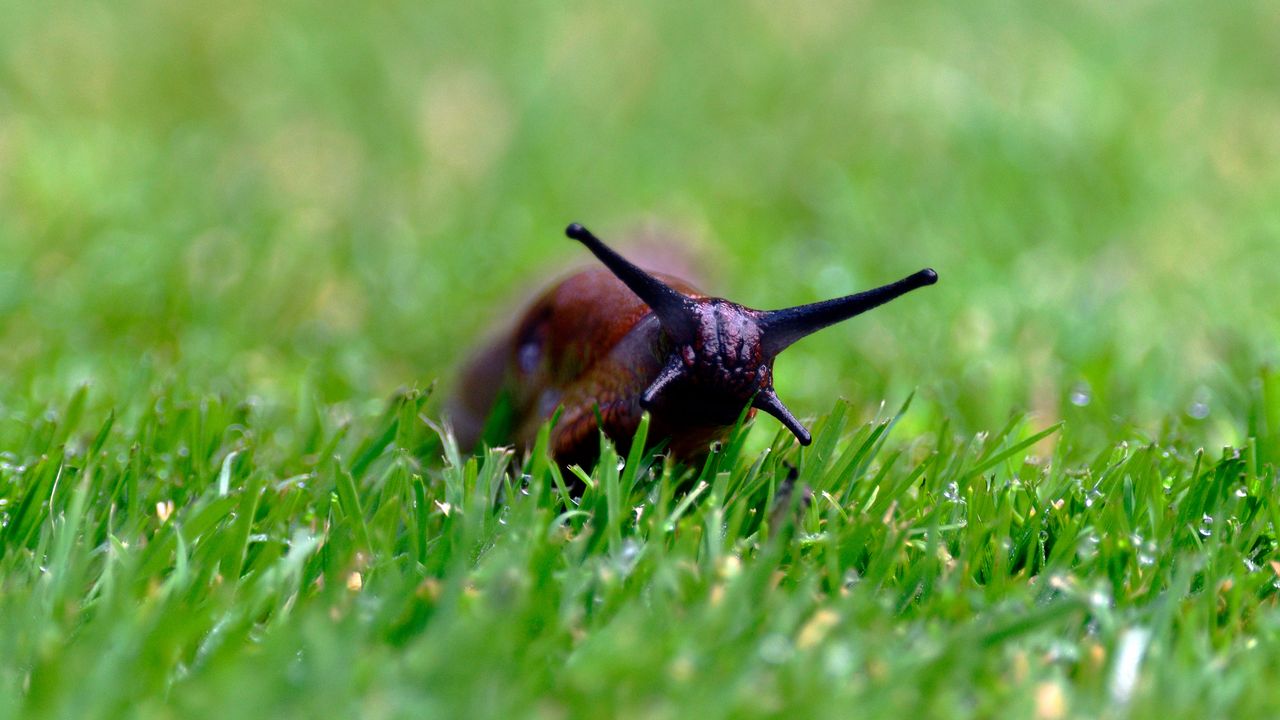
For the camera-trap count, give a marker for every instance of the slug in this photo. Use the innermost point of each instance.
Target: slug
(607, 344)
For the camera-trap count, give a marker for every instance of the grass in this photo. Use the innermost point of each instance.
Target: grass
(231, 237)
(193, 561)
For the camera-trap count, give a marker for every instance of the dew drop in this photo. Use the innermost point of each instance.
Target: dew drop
(1199, 406)
(851, 578)
(1206, 528)
(1093, 496)
(1088, 546)
(1062, 651)
(627, 557)
(1081, 394)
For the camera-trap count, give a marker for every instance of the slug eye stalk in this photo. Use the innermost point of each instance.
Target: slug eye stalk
(781, 328)
(724, 351)
(674, 310)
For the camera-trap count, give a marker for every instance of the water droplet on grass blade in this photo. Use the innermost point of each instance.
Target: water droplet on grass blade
(1088, 546)
(624, 561)
(851, 578)
(1081, 394)
(1092, 496)
(1206, 524)
(952, 493)
(1199, 407)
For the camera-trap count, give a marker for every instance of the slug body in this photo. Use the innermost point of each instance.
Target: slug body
(607, 344)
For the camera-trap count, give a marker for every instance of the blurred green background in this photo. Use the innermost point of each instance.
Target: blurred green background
(275, 199)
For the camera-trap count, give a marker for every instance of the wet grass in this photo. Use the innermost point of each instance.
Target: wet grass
(192, 560)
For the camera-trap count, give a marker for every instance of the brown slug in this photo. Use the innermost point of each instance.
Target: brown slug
(605, 345)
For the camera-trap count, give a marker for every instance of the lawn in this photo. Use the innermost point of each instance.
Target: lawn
(244, 248)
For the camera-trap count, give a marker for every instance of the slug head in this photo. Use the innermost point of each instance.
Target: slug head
(722, 352)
